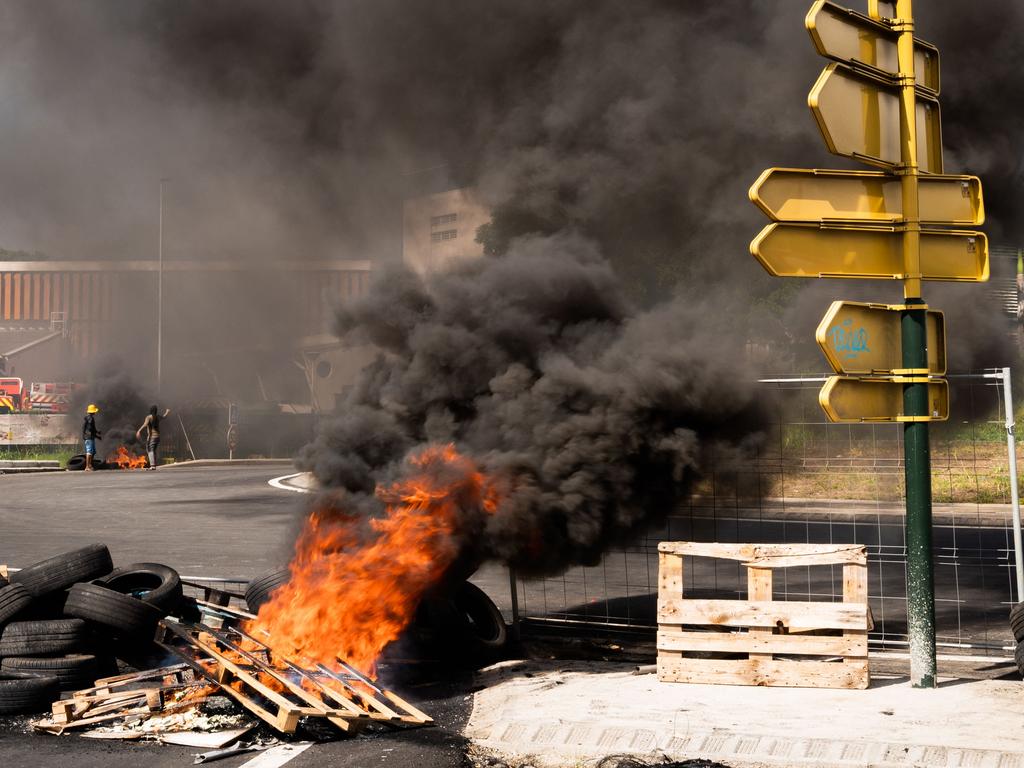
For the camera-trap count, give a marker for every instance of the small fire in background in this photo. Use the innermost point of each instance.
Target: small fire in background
(125, 460)
(355, 583)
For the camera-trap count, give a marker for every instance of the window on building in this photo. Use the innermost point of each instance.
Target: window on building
(447, 234)
(446, 218)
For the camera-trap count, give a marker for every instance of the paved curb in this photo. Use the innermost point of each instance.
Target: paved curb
(28, 470)
(229, 463)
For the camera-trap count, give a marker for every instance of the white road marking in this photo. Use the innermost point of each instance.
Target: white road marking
(277, 756)
(279, 482)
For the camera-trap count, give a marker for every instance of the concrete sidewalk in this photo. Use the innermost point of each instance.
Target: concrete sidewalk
(555, 714)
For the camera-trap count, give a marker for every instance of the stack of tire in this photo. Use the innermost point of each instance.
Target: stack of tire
(65, 621)
(458, 624)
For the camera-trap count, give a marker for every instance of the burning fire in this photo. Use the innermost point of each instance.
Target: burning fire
(125, 460)
(355, 585)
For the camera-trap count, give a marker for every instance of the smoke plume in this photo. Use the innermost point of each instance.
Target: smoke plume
(592, 417)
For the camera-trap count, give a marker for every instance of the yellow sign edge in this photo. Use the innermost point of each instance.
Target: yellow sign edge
(883, 28)
(833, 417)
(974, 181)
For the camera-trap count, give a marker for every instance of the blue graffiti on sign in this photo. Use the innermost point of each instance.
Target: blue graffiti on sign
(846, 339)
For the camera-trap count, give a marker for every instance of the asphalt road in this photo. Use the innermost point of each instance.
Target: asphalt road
(205, 521)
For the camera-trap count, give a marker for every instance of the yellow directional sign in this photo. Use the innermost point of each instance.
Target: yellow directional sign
(852, 400)
(792, 194)
(859, 116)
(864, 339)
(809, 250)
(847, 36)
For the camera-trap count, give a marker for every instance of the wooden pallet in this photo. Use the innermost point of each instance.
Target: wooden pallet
(139, 694)
(768, 641)
(279, 691)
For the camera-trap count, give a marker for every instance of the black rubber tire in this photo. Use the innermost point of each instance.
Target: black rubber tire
(22, 693)
(43, 638)
(73, 672)
(60, 572)
(14, 599)
(258, 591)
(119, 614)
(151, 583)
(1018, 656)
(481, 620)
(3, 581)
(1017, 622)
(76, 463)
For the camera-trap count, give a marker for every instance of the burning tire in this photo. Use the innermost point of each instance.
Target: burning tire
(120, 614)
(481, 623)
(259, 590)
(14, 598)
(42, 638)
(25, 693)
(72, 672)
(60, 572)
(1017, 621)
(151, 583)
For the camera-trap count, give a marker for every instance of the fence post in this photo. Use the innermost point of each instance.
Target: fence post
(1018, 550)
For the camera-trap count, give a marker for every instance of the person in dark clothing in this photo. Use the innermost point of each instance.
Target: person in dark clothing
(90, 435)
(152, 427)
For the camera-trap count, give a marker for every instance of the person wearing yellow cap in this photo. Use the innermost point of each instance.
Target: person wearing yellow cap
(90, 434)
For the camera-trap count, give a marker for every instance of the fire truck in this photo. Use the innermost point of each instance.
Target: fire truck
(49, 397)
(12, 394)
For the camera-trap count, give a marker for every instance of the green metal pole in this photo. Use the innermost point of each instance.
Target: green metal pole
(917, 453)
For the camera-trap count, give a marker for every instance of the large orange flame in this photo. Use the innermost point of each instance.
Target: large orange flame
(125, 460)
(352, 590)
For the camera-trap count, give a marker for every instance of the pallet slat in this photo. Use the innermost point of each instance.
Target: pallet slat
(770, 555)
(749, 642)
(774, 672)
(763, 613)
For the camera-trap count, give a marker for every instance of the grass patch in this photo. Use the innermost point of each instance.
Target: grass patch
(59, 453)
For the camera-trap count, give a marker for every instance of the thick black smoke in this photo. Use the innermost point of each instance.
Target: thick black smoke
(592, 418)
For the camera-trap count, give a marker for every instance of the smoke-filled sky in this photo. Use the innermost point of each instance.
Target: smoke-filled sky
(295, 128)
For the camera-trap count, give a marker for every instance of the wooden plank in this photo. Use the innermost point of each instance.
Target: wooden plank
(770, 555)
(770, 672)
(855, 590)
(678, 640)
(759, 589)
(746, 613)
(670, 575)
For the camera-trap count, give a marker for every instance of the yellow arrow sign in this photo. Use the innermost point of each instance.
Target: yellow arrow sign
(859, 116)
(860, 338)
(794, 194)
(809, 250)
(849, 36)
(851, 401)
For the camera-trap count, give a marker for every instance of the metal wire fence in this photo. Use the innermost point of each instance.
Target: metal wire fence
(817, 482)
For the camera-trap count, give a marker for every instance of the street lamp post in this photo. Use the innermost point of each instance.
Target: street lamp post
(160, 295)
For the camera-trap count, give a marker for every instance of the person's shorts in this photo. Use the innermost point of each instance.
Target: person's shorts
(90, 447)
(153, 443)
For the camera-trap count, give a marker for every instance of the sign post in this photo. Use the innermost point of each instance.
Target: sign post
(878, 103)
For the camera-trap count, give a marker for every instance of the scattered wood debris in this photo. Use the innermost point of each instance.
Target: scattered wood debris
(225, 660)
